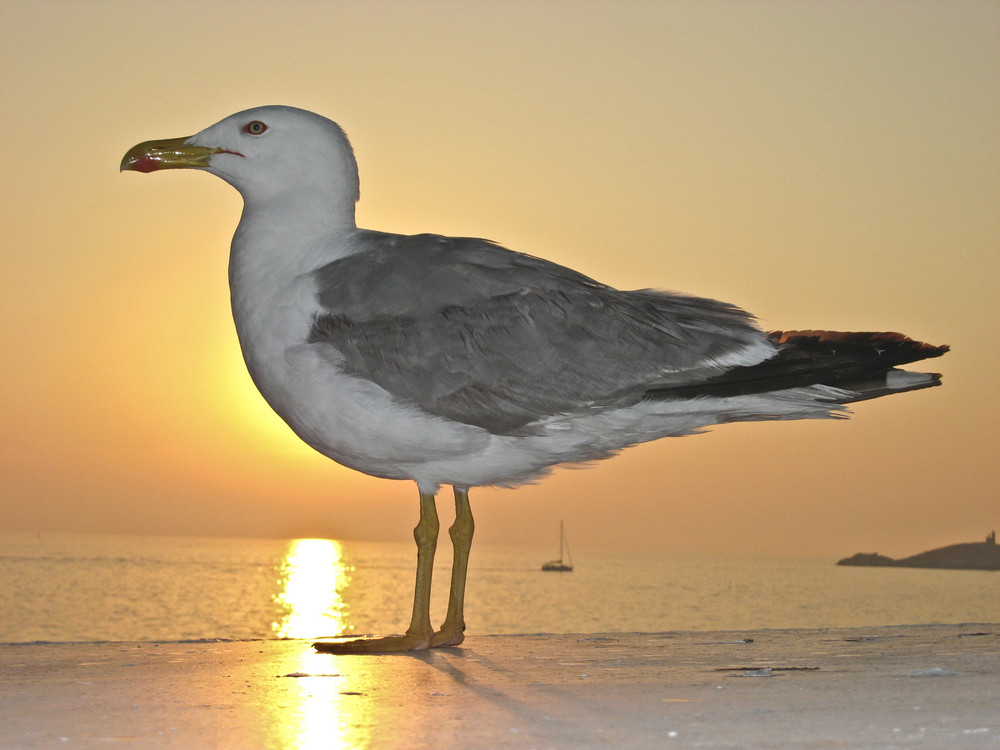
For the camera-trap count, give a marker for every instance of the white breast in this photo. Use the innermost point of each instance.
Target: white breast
(347, 418)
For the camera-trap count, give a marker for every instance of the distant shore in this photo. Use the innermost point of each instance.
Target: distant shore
(970, 556)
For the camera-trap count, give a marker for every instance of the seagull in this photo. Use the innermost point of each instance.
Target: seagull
(455, 361)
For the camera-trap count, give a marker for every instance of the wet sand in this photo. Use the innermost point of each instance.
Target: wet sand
(926, 686)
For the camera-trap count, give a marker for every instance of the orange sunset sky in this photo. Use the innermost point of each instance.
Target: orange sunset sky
(822, 164)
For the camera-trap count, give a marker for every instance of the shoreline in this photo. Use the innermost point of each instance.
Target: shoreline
(889, 686)
(963, 556)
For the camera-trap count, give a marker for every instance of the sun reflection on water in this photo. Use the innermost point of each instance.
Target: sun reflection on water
(328, 709)
(310, 601)
(324, 712)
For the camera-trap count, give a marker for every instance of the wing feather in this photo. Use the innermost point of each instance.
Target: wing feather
(471, 331)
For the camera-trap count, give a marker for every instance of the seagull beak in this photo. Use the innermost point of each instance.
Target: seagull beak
(172, 153)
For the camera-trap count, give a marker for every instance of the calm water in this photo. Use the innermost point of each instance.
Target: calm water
(111, 588)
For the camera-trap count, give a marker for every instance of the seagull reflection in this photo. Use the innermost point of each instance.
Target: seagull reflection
(310, 601)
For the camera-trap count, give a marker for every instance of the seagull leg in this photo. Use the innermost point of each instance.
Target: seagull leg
(452, 631)
(418, 635)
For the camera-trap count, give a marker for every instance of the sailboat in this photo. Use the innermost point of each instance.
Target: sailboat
(559, 565)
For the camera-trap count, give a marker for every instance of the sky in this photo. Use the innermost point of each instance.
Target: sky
(822, 164)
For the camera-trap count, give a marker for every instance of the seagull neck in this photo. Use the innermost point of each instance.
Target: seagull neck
(286, 238)
(298, 212)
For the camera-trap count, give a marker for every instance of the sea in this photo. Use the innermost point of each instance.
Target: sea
(94, 588)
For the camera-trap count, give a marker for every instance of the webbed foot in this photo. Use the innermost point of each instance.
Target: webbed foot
(392, 644)
(448, 635)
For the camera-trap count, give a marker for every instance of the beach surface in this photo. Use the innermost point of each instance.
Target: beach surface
(933, 686)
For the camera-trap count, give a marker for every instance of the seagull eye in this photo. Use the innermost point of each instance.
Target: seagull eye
(254, 128)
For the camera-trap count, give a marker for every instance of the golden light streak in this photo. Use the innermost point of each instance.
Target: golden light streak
(313, 578)
(328, 709)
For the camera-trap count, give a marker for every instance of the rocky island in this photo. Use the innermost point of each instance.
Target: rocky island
(970, 556)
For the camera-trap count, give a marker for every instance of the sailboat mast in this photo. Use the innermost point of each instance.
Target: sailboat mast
(563, 550)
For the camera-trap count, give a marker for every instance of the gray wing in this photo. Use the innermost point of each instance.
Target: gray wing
(470, 331)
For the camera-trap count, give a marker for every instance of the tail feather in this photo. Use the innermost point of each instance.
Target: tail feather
(861, 363)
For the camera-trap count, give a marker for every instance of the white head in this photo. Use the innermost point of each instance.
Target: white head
(269, 154)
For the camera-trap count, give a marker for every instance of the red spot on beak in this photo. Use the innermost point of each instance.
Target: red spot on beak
(146, 164)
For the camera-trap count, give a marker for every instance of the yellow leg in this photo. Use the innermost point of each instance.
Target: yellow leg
(452, 631)
(418, 635)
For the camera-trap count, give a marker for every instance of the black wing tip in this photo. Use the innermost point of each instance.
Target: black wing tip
(915, 350)
(863, 363)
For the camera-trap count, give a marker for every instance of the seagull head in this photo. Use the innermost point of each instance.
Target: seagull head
(267, 153)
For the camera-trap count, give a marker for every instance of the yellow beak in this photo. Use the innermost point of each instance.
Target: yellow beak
(172, 153)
